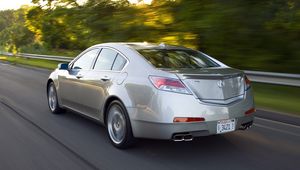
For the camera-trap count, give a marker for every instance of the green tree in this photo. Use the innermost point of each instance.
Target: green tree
(13, 33)
(256, 35)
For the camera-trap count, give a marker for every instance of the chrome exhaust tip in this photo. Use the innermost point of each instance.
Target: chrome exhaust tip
(178, 138)
(182, 137)
(246, 126)
(188, 137)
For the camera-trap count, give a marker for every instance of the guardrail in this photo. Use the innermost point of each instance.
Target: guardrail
(45, 57)
(40, 56)
(255, 76)
(274, 78)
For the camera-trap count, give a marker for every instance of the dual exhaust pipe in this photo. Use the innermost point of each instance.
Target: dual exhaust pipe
(188, 137)
(246, 126)
(182, 137)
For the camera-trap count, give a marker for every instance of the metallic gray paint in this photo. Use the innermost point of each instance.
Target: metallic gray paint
(152, 111)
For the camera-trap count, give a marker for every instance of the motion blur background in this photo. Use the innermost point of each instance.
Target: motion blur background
(249, 35)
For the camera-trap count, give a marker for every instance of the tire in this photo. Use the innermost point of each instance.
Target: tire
(118, 125)
(52, 99)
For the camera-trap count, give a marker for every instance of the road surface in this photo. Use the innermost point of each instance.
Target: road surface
(33, 138)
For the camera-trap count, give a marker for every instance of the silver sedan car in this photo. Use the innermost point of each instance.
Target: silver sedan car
(143, 90)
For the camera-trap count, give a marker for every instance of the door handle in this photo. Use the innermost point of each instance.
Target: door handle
(79, 76)
(105, 78)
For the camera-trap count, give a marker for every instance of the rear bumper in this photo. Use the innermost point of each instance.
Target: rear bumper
(143, 129)
(154, 119)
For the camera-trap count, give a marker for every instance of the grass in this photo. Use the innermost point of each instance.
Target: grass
(277, 98)
(58, 52)
(271, 97)
(30, 62)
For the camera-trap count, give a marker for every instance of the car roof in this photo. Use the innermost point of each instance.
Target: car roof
(143, 45)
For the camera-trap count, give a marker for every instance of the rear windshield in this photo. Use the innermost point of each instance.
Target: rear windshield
(177, 58)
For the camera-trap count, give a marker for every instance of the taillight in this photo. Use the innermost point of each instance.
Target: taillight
(169, 84)
(248, 112)
(247, 83)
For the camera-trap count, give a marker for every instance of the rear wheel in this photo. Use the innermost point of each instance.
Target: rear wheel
(52, 99)
(118, 125)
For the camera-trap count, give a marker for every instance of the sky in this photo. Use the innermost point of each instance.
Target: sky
(12, 4)
(15, 4)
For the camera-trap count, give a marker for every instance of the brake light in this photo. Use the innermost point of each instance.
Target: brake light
(252, 110)
(169, 84)
(247, 83)
(188, 119)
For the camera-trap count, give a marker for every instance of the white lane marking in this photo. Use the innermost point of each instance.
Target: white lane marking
(275, 129)
(277, 122)
(281, 113)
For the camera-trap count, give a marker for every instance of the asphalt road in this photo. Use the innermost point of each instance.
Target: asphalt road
(33, 138)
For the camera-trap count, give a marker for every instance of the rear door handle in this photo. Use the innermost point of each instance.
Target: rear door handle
(79, 76)
(105, 78)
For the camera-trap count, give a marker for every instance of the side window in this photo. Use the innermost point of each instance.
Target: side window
(119, 63)
(105, 59)
(86, 60)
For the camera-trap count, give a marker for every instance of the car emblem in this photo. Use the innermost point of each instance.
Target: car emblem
(220, 83)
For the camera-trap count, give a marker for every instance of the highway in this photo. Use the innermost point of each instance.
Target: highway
(33, 138)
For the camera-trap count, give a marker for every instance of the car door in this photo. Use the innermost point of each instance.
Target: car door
(73, 82)
(107, 66)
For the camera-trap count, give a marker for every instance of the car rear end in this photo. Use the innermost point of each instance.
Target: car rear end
(192, 101)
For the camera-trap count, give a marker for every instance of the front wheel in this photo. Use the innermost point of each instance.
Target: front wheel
(118, 125)
(52, 99)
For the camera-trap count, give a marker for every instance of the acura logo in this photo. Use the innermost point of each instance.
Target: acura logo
(220, 83)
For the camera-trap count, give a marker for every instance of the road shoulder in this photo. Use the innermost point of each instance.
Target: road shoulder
(280, 117)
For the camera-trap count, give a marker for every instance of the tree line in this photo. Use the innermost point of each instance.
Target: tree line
(254, 35)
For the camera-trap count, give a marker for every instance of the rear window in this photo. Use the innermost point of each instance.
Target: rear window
(177, 58)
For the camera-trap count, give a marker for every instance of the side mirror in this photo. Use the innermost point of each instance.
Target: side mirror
(63, 66)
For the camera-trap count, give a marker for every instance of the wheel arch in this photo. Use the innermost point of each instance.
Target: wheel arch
(107, 103)
(48, 82)
(51, 80)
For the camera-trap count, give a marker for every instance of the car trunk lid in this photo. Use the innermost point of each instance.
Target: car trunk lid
(213, 83)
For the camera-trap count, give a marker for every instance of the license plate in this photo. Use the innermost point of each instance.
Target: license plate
(224, 126)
